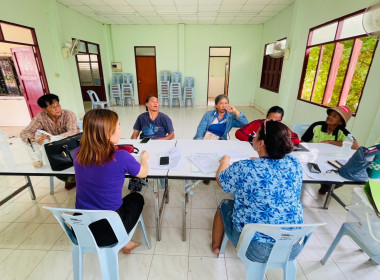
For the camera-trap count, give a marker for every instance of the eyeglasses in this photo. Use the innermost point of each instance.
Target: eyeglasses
(250, 137)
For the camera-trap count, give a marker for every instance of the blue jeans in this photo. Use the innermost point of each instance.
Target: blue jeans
(257, 251)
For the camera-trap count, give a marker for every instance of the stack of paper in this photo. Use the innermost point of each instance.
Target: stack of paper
(207, 163)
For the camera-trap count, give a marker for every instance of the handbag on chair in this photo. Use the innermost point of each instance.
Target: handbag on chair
(60, 153)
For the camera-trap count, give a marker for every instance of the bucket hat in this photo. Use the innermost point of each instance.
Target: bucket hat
(343, 111)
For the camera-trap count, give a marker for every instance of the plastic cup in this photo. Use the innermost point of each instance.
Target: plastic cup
(35, 154)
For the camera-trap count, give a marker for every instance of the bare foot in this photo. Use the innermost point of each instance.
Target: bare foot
(129, 247)
(215, 250)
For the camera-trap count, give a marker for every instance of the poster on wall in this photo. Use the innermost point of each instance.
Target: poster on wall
(116, 67)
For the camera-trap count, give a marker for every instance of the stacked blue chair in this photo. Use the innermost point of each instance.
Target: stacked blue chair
(188, 90)
(176, 88)
(127, 88)
(164, 93)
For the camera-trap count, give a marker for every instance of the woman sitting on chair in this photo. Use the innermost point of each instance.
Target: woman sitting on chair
(100, 171)
(266, 191)
(153, 124)
(218, 123)
(247, 132)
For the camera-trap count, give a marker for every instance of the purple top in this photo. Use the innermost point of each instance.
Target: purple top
(100, 187)
(156, 129)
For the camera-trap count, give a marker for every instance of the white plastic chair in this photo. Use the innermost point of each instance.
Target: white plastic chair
(300, 128)
(279, 256)
(164, 92)
(127, 92)
(95, 100)
(116, 93)
(80, 125)
(84, 242)
(363, 226)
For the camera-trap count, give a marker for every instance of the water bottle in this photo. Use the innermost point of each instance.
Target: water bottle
(347, 144)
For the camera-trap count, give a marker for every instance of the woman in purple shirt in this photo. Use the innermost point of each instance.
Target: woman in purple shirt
(100, 173)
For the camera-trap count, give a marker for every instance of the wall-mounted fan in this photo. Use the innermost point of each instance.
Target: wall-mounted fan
(371, 20)
(75, 47)
(279, 49)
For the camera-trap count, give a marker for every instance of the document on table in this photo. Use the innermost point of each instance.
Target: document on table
(324, 176)
(206, 162)
(174, 155)
(234, 156)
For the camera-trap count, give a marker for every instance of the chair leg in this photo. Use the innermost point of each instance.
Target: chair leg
(223, 245)
(290, 270)
(144, 232)
(338, 237)
(255, 271)
(109, 264)
(51, 185)
(77, 263)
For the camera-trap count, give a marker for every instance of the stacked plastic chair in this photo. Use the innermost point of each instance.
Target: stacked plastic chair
(176, 88)
(116, 94)
(165, 87)
(127, 89)
(188, 90)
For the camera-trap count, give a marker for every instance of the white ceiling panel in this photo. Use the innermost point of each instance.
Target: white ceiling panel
(177, 11)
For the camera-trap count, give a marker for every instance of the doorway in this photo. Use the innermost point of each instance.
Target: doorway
(22, 71)
(90, 70)
(146, 73)
(218, 72)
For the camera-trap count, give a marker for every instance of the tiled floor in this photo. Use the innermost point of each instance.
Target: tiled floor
(33, 246)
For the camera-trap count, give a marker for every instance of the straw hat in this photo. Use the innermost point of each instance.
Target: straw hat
(343, 111)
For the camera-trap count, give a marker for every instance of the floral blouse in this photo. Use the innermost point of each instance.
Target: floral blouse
(266, 191)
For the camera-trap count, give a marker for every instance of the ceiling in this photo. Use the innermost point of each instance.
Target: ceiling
(178, 11)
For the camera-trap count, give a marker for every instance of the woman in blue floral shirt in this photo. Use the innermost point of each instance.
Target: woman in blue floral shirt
(266, 191)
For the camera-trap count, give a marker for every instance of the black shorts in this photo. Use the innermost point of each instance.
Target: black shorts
(129, 213)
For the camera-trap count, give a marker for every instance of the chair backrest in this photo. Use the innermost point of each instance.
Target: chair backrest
(165, 76)
(116, 78)
(300, 128)
(176, 77)
(189, 82)
(93, 96)
(115, 90)
(127, 78)
(285, 239)
(175, 89)
(127, 90)
(80, 224)
(164, 86)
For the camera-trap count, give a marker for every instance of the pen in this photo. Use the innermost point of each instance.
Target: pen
(31, 145)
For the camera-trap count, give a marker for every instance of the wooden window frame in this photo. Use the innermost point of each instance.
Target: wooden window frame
(334, 60)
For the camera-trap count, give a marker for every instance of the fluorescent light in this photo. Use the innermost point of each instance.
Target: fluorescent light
(237, 13)
(105, 14)
(177, 13)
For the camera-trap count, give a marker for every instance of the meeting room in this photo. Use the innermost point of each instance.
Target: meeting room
(189, 139)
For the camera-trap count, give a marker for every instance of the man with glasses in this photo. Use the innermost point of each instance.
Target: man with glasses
(54, 121)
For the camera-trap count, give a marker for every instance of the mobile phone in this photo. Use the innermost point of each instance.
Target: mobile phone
(164, 160)
(144, 140)
(313, 167)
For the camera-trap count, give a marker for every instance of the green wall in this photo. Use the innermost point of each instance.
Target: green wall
(295, 23)
(190, 44)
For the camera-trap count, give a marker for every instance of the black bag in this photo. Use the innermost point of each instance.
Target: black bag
(136, 184)
(60, 153)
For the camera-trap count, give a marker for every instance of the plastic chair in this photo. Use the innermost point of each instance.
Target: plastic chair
(279, 257)
(188, 89)
(165, 76)
(363, 227)
(300, 128)
(116, 78)
(127, 92)
(95, 100)
(84, 241)
(175, 94)
(80, 125)
(116, 93)
(176, 77)
(164, 92)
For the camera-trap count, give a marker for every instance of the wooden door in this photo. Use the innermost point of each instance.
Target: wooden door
(146, 77)
(29, 77)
